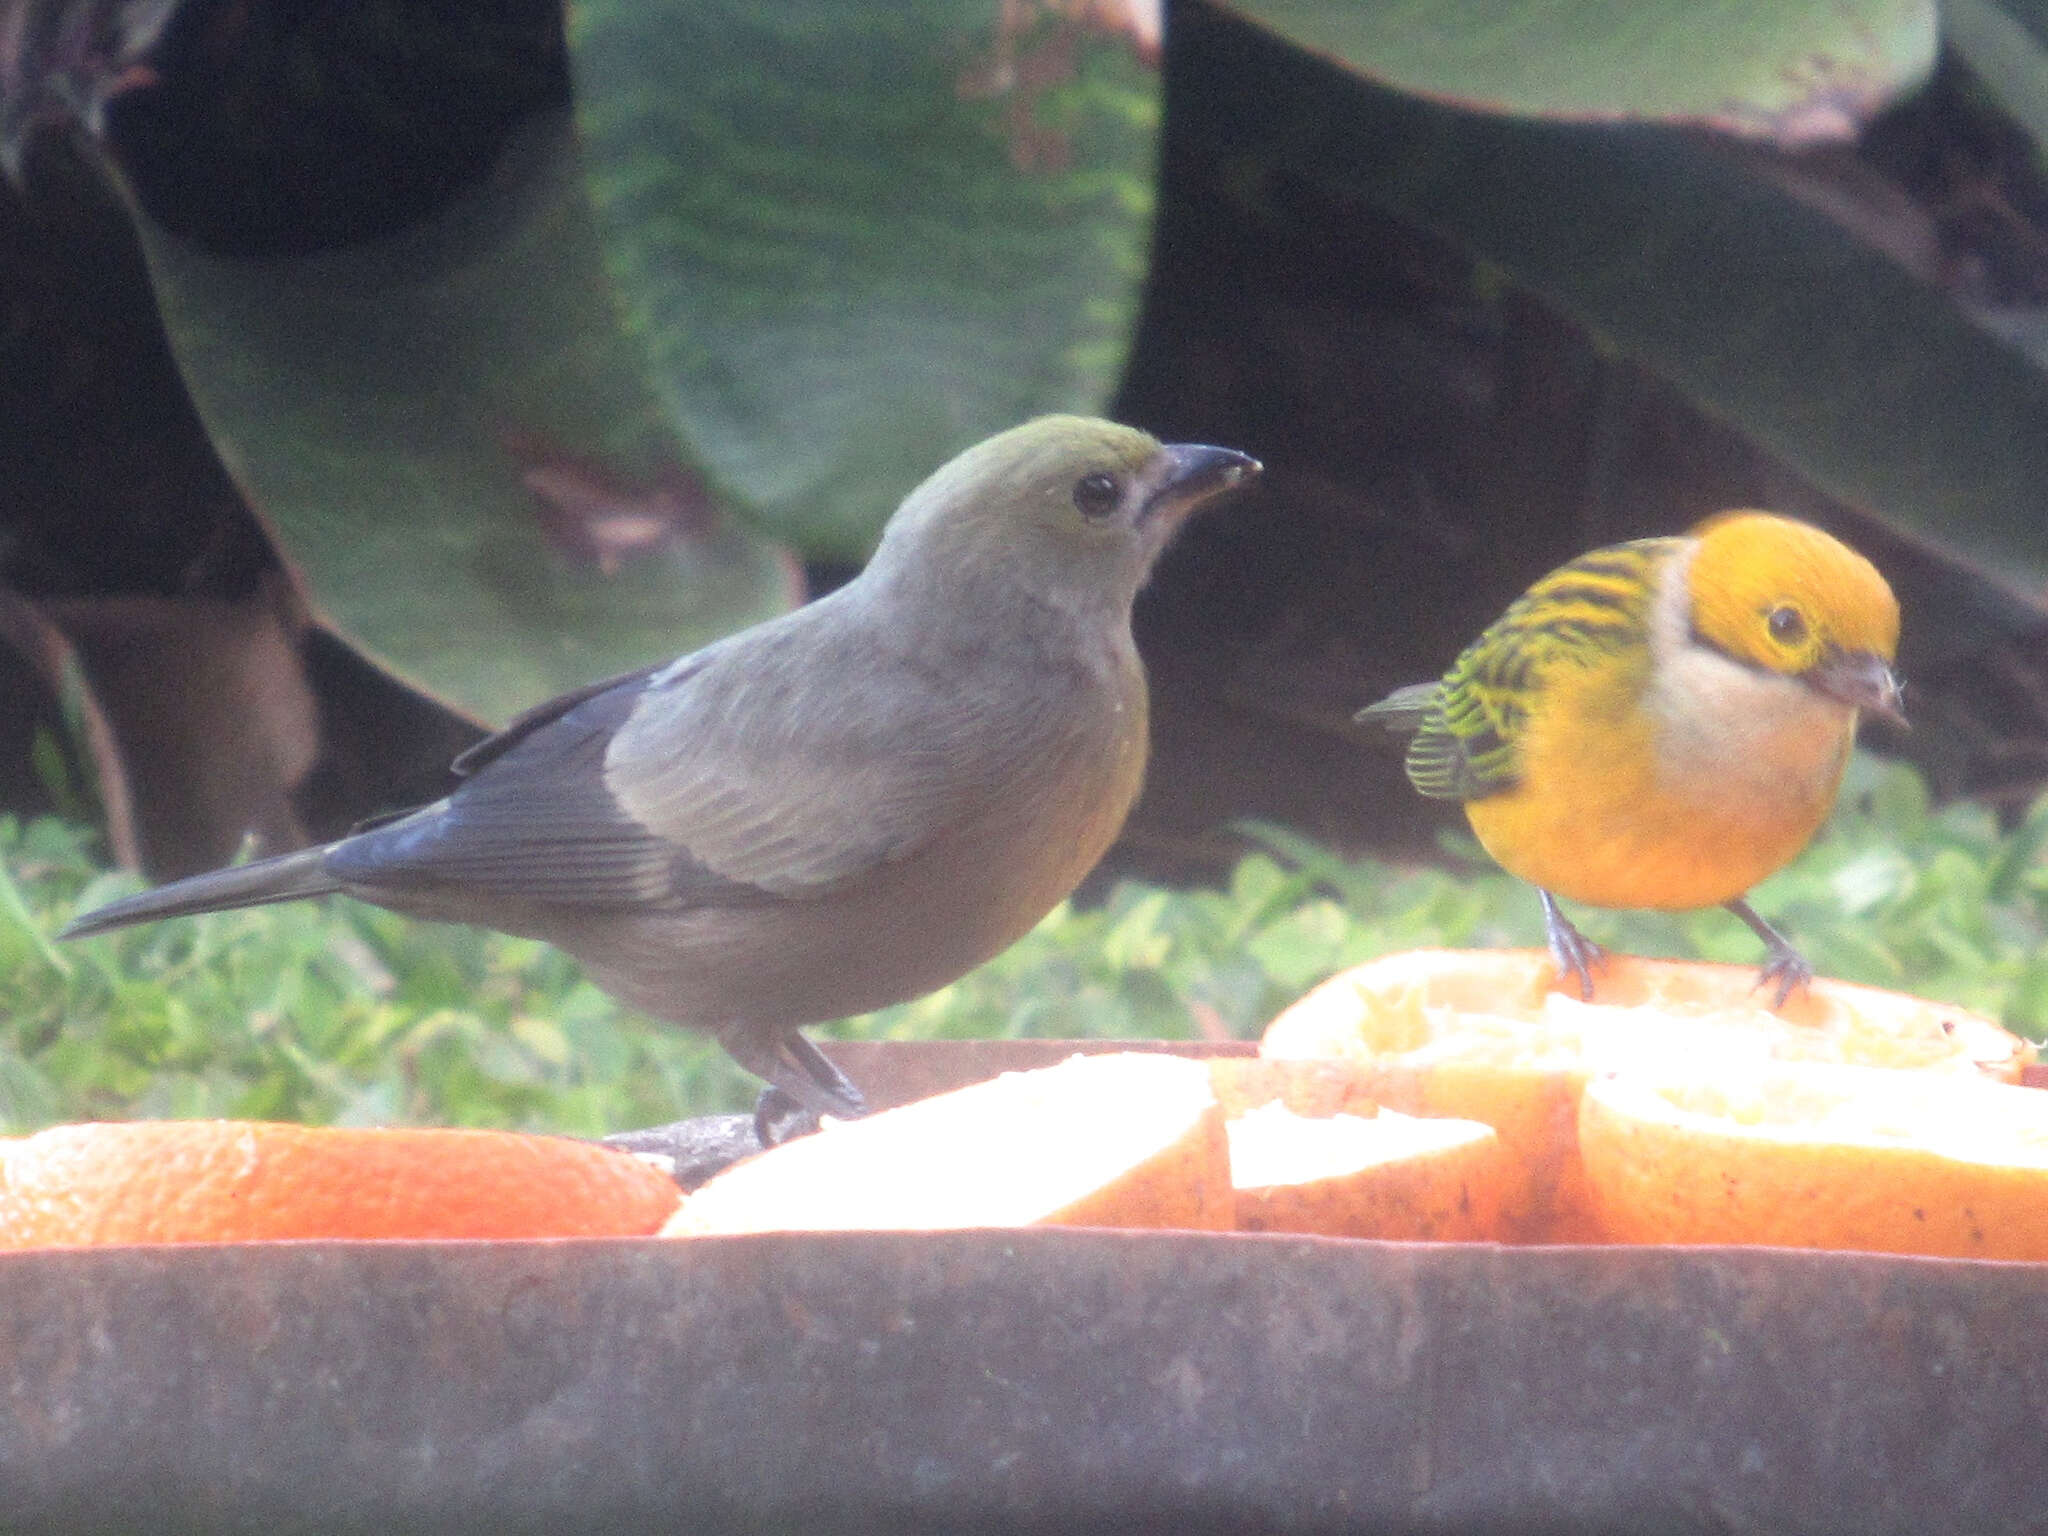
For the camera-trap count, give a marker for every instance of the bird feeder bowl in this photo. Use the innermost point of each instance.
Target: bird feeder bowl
(1055, 1380)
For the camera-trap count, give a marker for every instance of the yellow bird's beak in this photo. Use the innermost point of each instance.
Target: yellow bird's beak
(1861, 679)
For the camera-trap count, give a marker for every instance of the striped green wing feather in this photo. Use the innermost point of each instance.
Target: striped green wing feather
(1467, 726)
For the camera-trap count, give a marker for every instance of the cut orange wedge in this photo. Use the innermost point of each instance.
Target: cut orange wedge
(1387, 1175)
(1808, 1155)
(219, 1181)
(1489, 1035)
(1127, 1139)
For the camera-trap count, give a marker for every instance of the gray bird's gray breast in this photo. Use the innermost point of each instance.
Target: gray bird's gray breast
(1035, 822)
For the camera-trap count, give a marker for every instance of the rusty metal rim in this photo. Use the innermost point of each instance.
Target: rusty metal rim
(1017, 1380)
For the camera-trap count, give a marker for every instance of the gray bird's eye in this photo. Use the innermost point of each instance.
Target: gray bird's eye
(1097, 494)
(1786, 625)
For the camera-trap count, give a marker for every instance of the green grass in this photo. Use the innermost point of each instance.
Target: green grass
(339, 1012)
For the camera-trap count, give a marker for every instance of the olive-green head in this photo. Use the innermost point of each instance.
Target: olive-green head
(1070, 510)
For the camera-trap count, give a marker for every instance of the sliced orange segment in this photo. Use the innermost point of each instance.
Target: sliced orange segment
(1128, 1139)
(1314, 1088)
(1821, 1156)
(197, 1181)
(1490, 1036)
(1425, 1000)
(1346, 1175)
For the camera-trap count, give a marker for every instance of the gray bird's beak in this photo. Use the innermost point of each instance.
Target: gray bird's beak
(1860, 679)
(1192, 473)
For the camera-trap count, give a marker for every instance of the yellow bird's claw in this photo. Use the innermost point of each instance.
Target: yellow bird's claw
(1788, 968)
(1570, 950)
(1783, 964)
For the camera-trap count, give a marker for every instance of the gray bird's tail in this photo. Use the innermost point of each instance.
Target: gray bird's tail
(284, 878)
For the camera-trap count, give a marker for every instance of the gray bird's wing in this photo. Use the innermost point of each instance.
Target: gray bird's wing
(811, 766)
(745, 772)
(532, 820)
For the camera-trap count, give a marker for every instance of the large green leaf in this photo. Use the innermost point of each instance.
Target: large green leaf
(431, 420)
(1794, 71)
(2007, 55)
(856, 238)
(1873, 384)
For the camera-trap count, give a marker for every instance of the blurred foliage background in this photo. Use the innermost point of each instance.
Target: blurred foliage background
(342, 1012)
(369, 371)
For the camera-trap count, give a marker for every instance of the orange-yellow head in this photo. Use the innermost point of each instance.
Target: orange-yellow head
(1785, 597)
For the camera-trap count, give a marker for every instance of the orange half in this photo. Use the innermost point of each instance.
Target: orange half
(1489, 1035)
(223, 1181)
(1808, 1155)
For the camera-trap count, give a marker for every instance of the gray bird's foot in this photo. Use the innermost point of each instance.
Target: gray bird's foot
(1573, 953)
(779, 1118)
(1784, 965)
(691, 1151)
(802, 1083)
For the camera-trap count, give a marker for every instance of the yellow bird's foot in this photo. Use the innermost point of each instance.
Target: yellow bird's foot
(1573, 953)
(1784, 965)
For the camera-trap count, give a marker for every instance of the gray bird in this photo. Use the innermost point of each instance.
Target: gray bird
(842, 808)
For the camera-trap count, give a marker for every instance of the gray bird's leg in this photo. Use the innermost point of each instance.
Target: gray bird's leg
(843, 1099)
(1571, 950)
(1784, 965)
(797, 1073)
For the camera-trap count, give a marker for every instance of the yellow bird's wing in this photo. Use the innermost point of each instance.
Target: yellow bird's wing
(1467, 727)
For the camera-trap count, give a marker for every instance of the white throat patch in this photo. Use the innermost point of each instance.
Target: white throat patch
(1723, 725)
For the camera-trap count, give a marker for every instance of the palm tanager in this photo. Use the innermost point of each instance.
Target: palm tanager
(833, 811)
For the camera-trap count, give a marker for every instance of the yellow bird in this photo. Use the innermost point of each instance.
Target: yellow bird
(1662, 723)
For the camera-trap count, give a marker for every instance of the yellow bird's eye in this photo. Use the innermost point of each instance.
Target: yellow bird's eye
(1787, 625)
(1097, 494)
